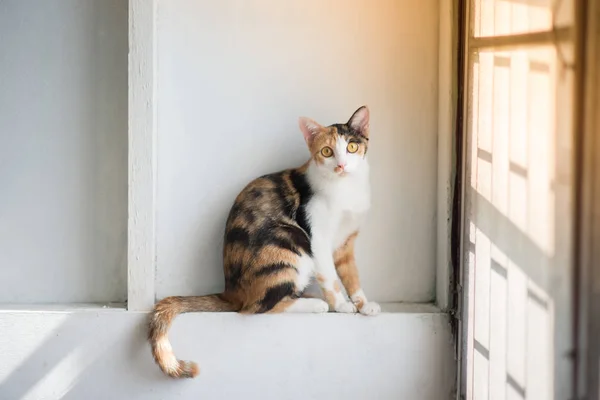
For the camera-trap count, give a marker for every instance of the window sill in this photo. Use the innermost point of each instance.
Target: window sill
(386, 308)
(63, 307)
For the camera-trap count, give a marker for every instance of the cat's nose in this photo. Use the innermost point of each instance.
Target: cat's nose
(340, 168)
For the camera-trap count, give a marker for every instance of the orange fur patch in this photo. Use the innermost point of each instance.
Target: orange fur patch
(345, 265)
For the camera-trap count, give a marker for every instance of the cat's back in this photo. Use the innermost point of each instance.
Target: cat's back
(274, 197)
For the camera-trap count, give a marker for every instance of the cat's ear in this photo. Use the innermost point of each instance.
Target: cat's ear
(309, 129)
(359, 121)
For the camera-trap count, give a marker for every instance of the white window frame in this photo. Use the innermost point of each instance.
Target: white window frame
(141, 241)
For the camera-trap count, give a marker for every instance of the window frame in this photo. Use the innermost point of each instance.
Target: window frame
(142, 160)
(587, 256)
(468, 44)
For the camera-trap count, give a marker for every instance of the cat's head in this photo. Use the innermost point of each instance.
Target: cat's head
(338, 149)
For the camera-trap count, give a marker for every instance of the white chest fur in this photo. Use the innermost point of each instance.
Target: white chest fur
(338, 206)
(349, 222)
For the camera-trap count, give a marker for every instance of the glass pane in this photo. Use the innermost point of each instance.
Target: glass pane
(509, 17)
(518, 210)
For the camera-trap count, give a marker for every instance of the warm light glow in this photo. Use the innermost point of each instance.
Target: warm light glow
(29, 344)
(517, 208)
(509, 17)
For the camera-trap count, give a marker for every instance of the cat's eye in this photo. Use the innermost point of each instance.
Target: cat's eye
(326, 152)
(352, 147)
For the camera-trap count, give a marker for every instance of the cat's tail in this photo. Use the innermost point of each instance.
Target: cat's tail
(161, 318)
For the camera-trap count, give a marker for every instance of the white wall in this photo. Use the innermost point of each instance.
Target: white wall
(234, 76)
(63, 150)
(104, 355)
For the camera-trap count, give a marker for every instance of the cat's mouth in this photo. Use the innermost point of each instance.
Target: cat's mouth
(340, 171)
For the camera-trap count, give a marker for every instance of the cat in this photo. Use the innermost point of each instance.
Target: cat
(283, 230)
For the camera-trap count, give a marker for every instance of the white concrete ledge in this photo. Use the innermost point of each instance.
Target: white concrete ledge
(64, 308)
(423, 308)
(100, 353)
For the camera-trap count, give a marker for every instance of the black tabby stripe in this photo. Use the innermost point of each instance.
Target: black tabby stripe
(305, 193)
(281, 190)
(283, 243)
(299, 237)
(271, 233)
(238, 235)
(238, 210)
(273, 268)
(232, 280)
(275, 294)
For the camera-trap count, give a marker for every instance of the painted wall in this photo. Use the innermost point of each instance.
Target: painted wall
(104, 355)
(233, 78)
(63, 150)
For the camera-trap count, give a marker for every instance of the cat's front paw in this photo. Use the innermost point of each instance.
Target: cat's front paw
(346, 307)
(370, 308)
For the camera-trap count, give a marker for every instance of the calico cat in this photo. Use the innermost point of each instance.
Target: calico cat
(283, 230)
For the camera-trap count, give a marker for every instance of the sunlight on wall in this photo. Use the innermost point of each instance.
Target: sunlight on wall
(518, 206)
(63, 375)
(503, 17)
(29, 342)
(514, 151)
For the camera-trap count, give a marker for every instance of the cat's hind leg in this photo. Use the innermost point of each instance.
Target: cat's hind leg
(279, 279)
(288, 304)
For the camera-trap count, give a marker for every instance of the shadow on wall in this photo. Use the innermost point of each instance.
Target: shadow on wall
(77, 354)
